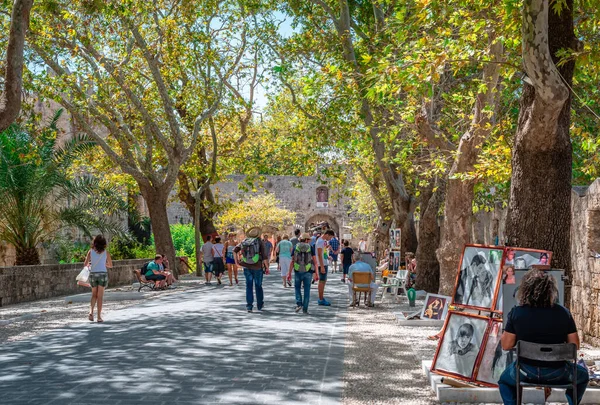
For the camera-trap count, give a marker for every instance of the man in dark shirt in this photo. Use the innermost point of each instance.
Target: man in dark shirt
(253, 269)
(538, 319)
(346, 254)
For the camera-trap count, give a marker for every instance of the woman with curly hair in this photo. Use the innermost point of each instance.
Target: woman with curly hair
(539, 319)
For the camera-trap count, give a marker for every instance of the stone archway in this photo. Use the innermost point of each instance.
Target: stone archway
(315, 218)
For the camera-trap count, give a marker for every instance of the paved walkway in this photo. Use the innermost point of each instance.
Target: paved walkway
(197, 347)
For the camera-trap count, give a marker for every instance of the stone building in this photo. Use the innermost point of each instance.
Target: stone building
(307, 196)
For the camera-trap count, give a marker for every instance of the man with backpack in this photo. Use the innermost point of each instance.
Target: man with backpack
(303, 265)
(251, 255)
(322, 255)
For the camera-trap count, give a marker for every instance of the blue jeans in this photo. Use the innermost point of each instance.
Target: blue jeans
(300, 278)
(508, 380)
(254, 278)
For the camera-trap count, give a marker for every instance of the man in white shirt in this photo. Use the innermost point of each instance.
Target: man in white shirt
(322, 255)
(207, 259)
(362, 245)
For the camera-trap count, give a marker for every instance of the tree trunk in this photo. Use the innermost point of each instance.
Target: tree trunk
(539, 211)
(26, 256)
(156, 199)
(205, 223)
(10, 99)
(458, 207)
(428, 267)
(379, 240)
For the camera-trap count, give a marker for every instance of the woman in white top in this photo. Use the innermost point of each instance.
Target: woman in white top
(99, 261)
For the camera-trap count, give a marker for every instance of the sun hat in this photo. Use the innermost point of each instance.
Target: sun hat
(305, 235)
(253, 232)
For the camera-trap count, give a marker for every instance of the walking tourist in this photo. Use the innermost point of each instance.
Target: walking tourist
(284, 252)
(538, 319)
(334, 251)
(346, 259)
(251, 255)
(295, 239)
(218, 250)
(303, 266)
(322, 256)
(268, 248)
(276, 253)
(362, 245)
(207, 259)
(99, 261)
(232, 270)
(360, 266)
(154, 273)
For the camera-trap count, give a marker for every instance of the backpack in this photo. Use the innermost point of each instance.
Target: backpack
(144, 269)
(251, 251)
(302, 257)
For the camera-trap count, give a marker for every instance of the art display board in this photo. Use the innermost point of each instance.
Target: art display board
(493, 359)
(395, 260)
(458, 349)
(395, 238)
(518, 259)
(436, 307)
(470, 348)
(522, 259)
(478, 277)
(509, 291)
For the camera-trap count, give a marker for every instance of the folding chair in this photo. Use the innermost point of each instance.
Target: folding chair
(361, 277)
(539, 352)
(395, 284)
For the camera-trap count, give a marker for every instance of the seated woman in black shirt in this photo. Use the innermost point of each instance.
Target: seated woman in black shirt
(538, 319)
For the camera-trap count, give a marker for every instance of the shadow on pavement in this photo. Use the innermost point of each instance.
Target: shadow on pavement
(193, 348)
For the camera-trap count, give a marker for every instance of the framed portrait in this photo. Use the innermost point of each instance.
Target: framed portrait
(395, 238)
(458, 350)
(522, 259)
(436, 307)
(478, 275)
(396, 258)
(493, 359)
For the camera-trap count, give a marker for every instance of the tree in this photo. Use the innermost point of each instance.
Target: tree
(262, 211)
(539, 211)
(10, 98)
(129, 74)
(39, 198)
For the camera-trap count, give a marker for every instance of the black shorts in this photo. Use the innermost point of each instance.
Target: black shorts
(156, 277)
(218, 266)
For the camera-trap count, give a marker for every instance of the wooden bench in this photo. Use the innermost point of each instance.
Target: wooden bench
(149, 284)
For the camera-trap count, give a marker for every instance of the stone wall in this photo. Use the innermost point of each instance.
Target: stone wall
(585, 239)
(29, 283)
(298, 194)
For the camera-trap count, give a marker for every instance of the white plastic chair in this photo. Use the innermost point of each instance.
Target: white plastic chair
(394, 285)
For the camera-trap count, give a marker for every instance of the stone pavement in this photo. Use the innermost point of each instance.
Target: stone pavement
(197, 347)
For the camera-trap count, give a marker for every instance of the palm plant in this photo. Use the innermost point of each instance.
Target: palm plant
(39, 197)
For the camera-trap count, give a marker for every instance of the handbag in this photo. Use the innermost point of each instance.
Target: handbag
(83, 277)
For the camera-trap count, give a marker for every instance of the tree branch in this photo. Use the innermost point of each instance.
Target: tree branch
(536, 54)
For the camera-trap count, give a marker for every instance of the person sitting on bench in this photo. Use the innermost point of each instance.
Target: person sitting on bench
(539, 319)
(153, 272)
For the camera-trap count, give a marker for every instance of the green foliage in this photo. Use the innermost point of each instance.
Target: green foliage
(261, 210)
(38, 196)
(183, 239)
(126, 247)
(67, 251)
